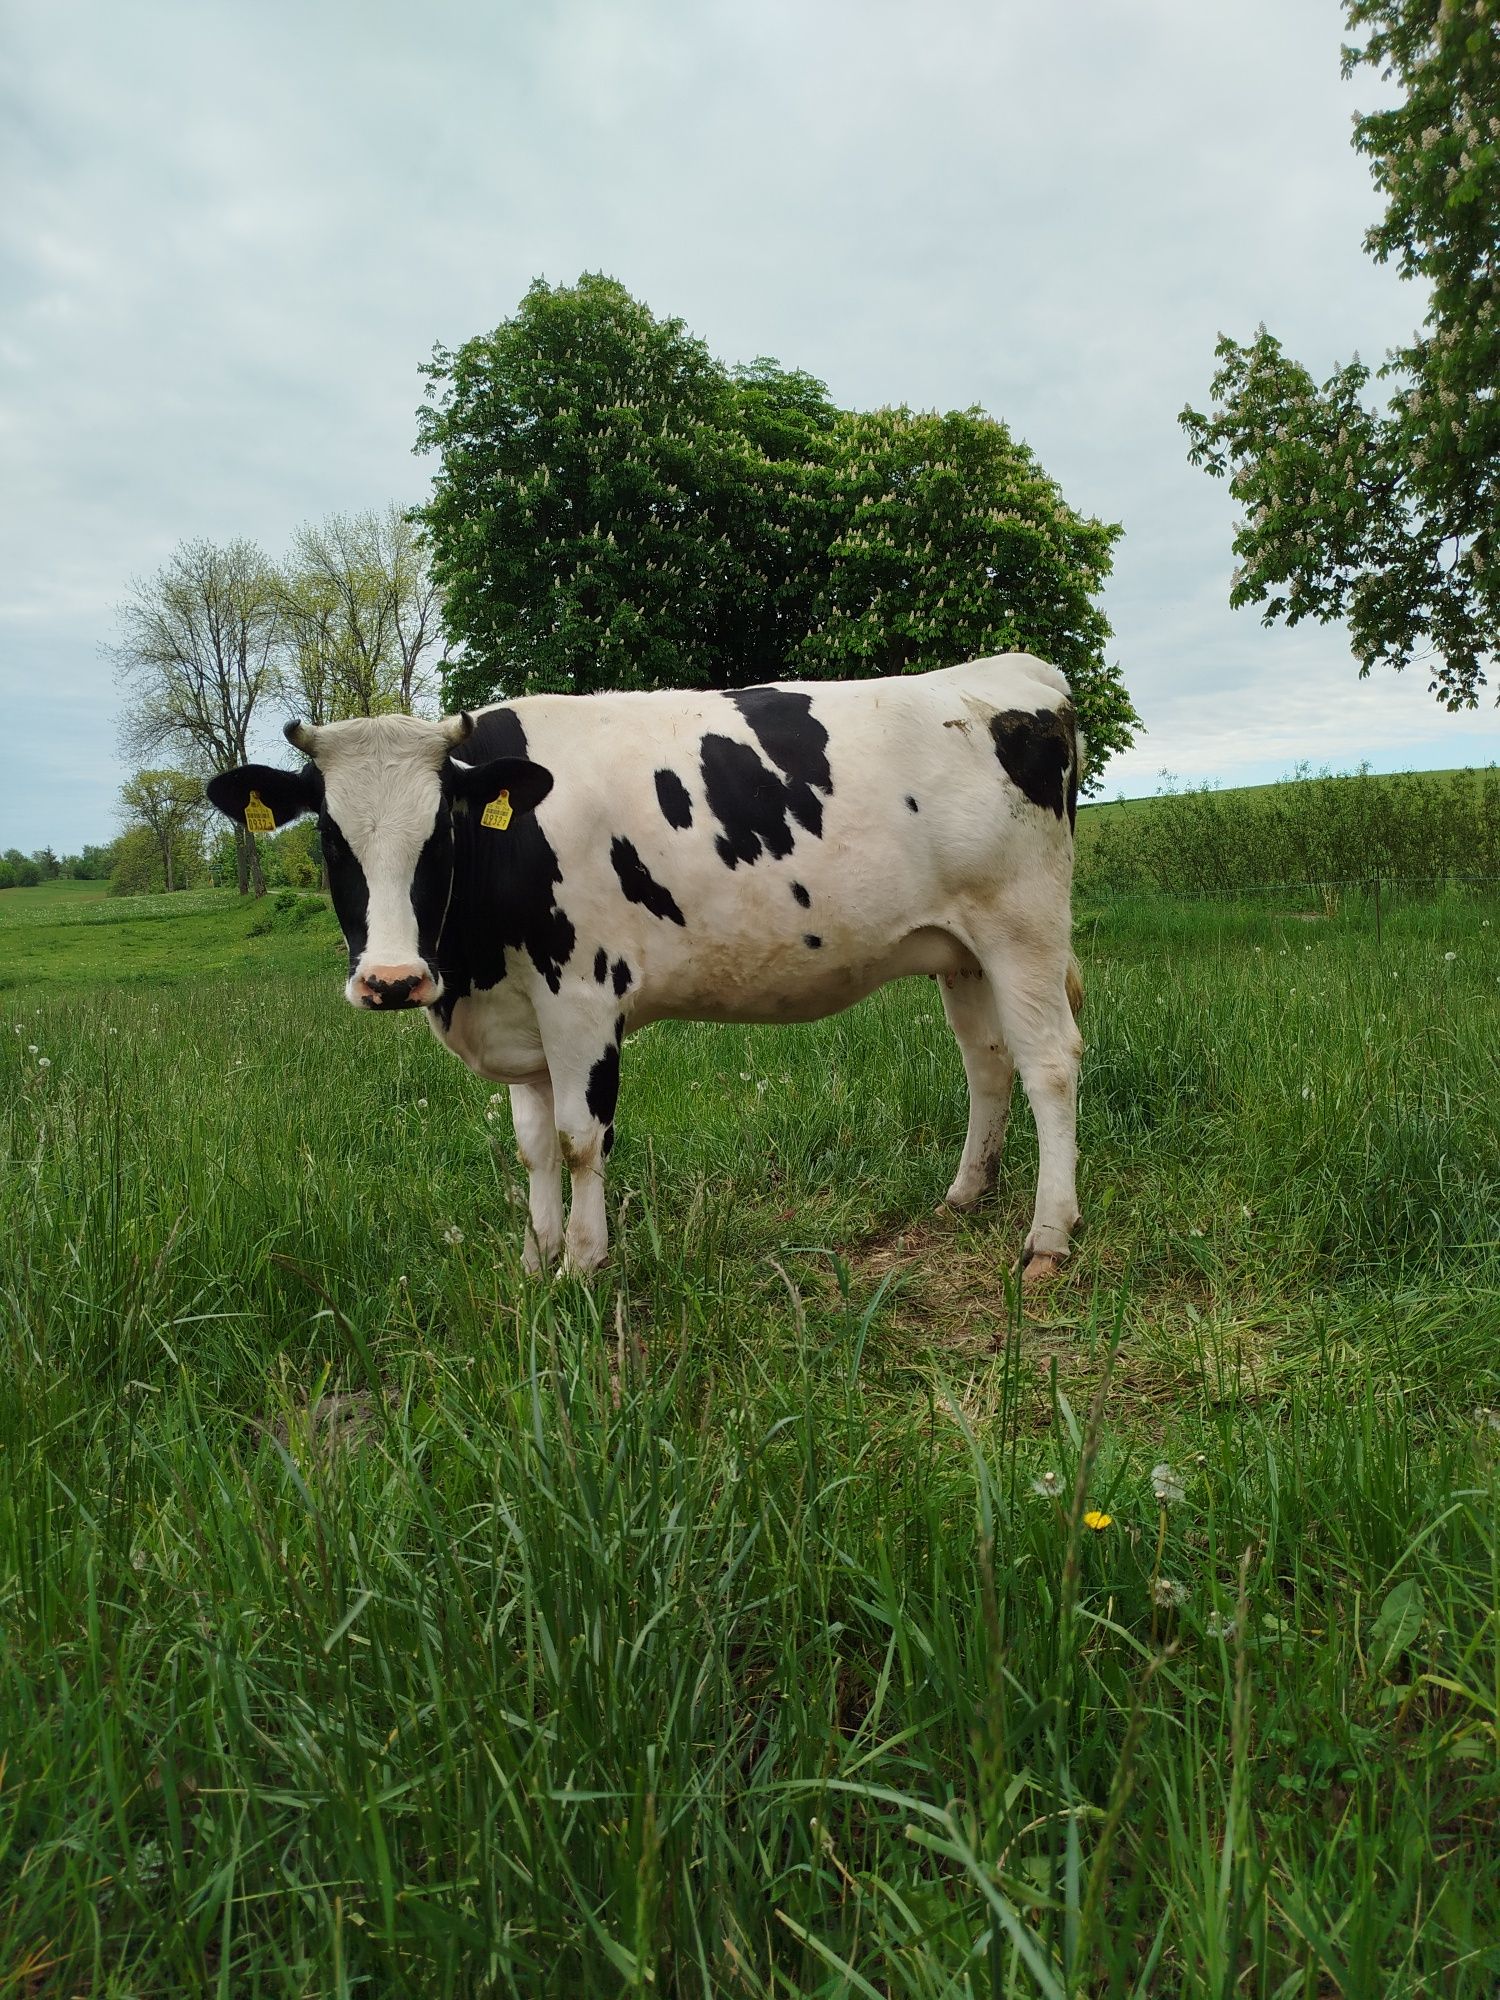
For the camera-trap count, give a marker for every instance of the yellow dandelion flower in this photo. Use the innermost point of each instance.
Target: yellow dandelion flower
(1097, 1521)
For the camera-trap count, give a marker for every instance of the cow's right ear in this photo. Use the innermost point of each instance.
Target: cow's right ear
(263, 798)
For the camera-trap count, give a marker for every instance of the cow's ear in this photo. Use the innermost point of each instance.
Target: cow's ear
(263, 798)
(499, 790)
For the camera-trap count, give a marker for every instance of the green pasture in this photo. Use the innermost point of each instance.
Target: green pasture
(374, 1620)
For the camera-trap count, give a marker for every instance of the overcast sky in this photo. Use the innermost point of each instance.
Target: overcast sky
(230, 235)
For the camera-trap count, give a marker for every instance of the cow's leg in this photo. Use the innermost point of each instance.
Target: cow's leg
(583, 1054)
(541, 1155)
(969, 1003)
(1029, 974)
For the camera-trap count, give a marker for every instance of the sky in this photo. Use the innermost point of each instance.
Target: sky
(230, 236)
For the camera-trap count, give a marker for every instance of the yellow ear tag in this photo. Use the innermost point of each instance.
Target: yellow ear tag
(497, 813)
(259, 816)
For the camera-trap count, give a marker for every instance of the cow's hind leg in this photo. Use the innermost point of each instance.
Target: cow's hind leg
(1029, 976)
(969, 1003)
(541, 1155)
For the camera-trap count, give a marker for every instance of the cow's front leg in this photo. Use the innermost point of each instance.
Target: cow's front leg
(586, 1094)
(541, 1156)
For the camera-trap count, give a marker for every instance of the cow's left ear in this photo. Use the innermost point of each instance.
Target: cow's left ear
(262, 797)
(500, 789)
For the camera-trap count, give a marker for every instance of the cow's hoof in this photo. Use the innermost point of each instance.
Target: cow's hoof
(1042, 1265)
(962, 1199)
(535, 1262)
(581, 1267)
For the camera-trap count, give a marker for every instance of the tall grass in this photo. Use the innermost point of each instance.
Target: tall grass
(1314, 831)
(375, 1620)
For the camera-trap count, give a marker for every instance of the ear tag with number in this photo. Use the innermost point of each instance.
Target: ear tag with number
(259, 817)
(497, 813)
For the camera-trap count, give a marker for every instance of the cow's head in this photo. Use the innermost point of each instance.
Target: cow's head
(386, 790)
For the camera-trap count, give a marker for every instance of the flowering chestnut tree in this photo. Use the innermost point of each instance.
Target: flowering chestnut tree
(615, 508)
(1390, 517)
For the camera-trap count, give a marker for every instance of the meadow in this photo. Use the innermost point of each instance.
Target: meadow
(799, 1609)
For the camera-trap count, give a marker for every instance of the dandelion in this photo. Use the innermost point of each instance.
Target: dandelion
(402, 1282)
(1047, 1486)
(1308, 1092)
(453, 1236)
(421, 1104)
(44, 1062)
(497, 1097)
(1097, 1521)
(1167, 1486)
(31, 1048)
(1169, 1595)
(1219, 1625)
(1449, 956)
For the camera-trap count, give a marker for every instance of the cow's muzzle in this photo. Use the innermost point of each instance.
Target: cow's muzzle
(387, 988)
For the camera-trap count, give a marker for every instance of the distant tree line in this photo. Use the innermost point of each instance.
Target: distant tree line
(25, 871)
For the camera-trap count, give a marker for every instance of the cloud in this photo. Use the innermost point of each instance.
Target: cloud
(231, 237)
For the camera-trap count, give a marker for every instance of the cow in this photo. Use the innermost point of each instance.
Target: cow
(548, 874)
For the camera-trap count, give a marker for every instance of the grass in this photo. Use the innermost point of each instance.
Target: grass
(373, 1619)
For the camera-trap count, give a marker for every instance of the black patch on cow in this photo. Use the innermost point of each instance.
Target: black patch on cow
(621, 977)
(603, 1092)
(601, 965)
(813, 943)
(640, 885)
(619, 1029)
(754, 804)
(347, 887)
(911, 804)
(608, 1145)
(800, 895)
(1039, 752)
(504, 886)
(796, 743)
(748, 800)
(672, 797)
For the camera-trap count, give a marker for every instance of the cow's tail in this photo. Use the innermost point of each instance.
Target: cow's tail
(1077, 763)
(1074, 984)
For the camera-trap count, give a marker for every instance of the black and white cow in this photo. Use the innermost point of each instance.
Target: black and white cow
(549, 874)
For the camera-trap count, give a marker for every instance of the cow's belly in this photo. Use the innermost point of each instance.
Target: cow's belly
(495, 1033)
(797, 983)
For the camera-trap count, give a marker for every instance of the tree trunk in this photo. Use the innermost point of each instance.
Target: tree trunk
(257, 876)
(242, 842)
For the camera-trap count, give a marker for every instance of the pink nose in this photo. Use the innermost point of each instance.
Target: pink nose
(386, 987)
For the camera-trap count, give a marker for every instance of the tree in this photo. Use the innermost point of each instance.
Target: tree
(572, 521)
(360, 617)
(949, 542)
(197, 655)
(170, 806)
(615, 508)
(1390, 519)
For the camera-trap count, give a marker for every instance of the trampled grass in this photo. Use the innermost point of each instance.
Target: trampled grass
(375, 1620)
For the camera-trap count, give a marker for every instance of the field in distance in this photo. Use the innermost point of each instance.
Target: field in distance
(796, 1610)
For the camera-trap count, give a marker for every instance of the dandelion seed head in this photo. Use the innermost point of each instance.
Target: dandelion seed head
(1219, 1625)
(1169, 1594)
(1167, 1485)
(453, 1236)
(1047, 1485)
